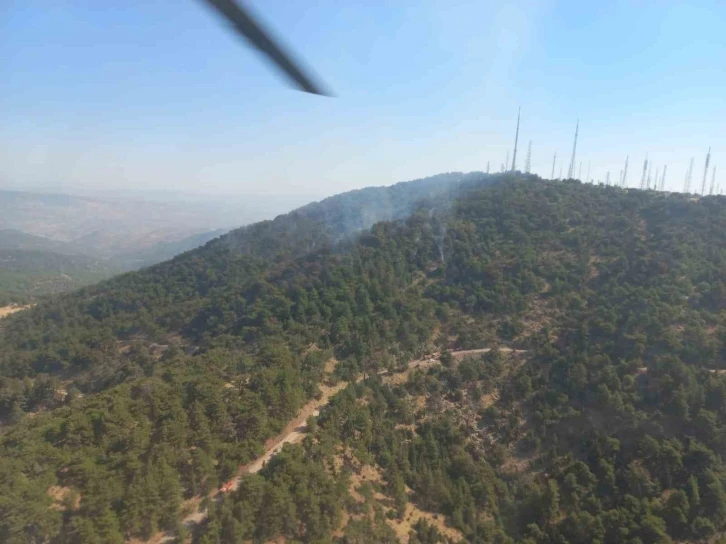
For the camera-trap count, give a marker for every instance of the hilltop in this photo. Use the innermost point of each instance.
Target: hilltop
(127, 402)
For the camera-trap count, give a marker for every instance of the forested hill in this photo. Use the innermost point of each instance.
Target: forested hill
(609, 428)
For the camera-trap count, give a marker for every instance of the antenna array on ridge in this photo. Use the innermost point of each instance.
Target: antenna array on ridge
(647, 181)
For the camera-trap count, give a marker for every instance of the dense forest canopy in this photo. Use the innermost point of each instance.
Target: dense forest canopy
(124, 400)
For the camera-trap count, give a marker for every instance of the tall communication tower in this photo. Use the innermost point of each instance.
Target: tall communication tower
(516, 140)
(625, 172)
(607, 178)
(620, 179)
(506, 163)
(571, 172)
(705, 172)
(645, 172)
(650, 169)
(554, 161)
(528, 162)
(655, 179)
(487, 167)
(689, 177)
(662, 180)
(588, 172)
(713, 181)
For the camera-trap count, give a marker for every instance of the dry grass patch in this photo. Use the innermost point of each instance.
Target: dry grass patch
(413, 515)
(63, 497)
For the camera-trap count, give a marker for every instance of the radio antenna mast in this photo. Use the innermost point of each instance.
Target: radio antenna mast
(662, 180)
(650, 168)
(689, 176)
(713, 181)
(645, 172)
(516, 139)
(571, 172)
(705, 172)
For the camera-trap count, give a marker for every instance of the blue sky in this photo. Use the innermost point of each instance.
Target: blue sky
(137, 96)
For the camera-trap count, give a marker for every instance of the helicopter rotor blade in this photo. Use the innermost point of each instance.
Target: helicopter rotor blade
(243, 21)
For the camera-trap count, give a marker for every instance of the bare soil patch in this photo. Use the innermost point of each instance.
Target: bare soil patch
(13, 308)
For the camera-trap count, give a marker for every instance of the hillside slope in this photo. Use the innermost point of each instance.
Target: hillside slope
(609, 428)
(124, 222)
(32, 266)
(27, 274)
(164, 251)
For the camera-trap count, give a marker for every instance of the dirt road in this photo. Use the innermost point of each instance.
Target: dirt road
(295, 431)
(466, 352)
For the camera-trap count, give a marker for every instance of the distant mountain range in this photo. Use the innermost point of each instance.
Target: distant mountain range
(106, 227)
(32, 266)
(51, 243)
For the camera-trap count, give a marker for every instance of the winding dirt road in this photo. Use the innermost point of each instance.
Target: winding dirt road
(296, 430)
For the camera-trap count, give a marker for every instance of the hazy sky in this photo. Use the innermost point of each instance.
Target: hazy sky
(159, 94)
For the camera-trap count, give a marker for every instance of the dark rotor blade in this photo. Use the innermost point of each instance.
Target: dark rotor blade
(246, 25)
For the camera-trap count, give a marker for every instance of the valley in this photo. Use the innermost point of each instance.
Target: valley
(56, 243)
